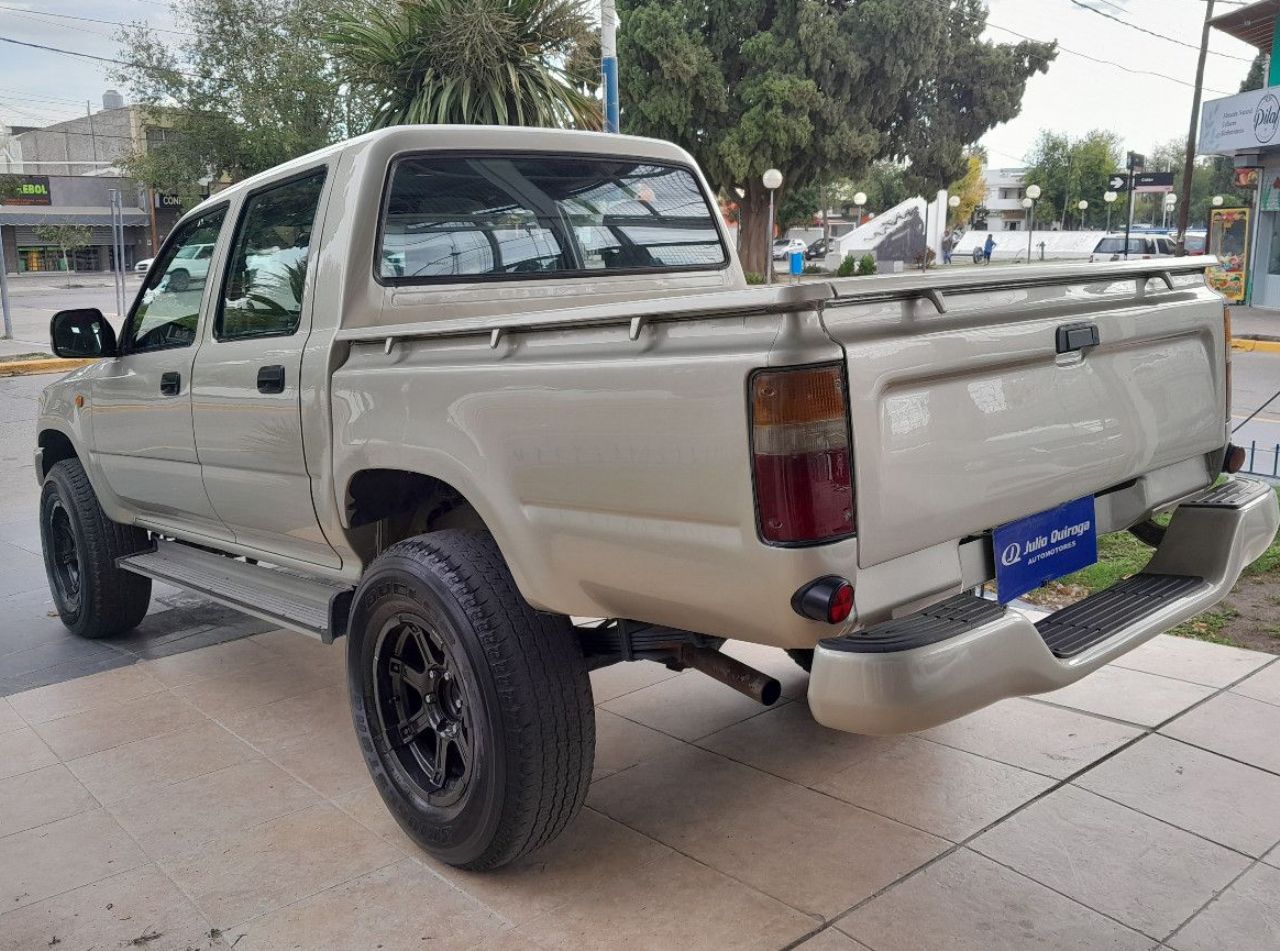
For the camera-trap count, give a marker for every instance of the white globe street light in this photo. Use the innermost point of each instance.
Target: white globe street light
(772, 178)
(1217, 201)
(1109, 197)
(1033, 192)
(860, 199)
(1033, 195)
(1169, 201)
(1083, 206)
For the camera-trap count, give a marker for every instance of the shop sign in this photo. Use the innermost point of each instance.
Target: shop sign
(1244, 123)
(25, 190)
(174, 202)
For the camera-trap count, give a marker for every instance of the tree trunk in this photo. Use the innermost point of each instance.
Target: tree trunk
(755, 246)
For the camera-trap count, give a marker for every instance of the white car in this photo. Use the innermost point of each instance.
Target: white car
(143, 266)
(1111, 247)
(783, 247)
(191, 263)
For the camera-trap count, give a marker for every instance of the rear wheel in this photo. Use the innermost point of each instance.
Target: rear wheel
(179, 280)
(94, 598)
(472, 709)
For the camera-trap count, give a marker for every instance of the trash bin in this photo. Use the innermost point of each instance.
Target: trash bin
(797, 263)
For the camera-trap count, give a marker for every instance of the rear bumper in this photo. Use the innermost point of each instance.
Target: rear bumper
(961, 655)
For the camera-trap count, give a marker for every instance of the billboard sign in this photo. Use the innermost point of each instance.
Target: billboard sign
(1248, 122)
(25, 190)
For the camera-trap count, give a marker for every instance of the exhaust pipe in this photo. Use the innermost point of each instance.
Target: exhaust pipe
(759, 686)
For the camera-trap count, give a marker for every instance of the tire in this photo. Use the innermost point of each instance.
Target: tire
(473, 710)
(803, 656)
(179, 280)
(94, 598)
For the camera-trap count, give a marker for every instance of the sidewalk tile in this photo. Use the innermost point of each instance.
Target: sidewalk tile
(965, 902)
(615, 680)
(105, 691)
(621, 744)
(282, 723)
(1130, 695)
(1264, 686)
(1136, 869)
(832, 940)
(942, 790)
(54, 858)
(1246, 915)
(81, 734)
(1034, 736)
(329, 762)
(231, 657)
(1235, 726)
(739, 821)
(1183, 658)
(1220, 799)
(39, 797)
(686, 706)
(21, 751)
(671, 903)
(9, 719)
(230, 695)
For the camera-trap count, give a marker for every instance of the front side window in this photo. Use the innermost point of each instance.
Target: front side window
(262, 296)
(168, 308)
(451, 217)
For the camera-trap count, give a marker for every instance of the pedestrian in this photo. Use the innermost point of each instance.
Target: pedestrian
(947, 244)
(987, 247)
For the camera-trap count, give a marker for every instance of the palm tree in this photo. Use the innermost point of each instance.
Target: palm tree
(490, 62)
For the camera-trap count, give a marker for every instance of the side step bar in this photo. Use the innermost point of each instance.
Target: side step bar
(318, 608)
(964, 653)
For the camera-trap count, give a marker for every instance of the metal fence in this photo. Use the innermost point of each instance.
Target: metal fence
(1263, 461)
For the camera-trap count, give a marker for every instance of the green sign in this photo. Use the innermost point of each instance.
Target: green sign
(25, 190)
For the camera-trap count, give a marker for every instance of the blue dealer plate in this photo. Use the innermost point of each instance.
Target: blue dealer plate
(1042, 547)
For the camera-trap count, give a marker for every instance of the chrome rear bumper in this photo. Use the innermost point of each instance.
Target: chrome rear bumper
(961, 655)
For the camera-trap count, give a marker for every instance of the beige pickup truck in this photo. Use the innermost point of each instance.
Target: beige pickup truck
(498, 406)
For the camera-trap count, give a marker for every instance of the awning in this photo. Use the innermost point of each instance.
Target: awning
(69, 215)
(1253, 24)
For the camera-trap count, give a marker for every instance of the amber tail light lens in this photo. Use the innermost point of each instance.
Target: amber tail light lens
(800, 454)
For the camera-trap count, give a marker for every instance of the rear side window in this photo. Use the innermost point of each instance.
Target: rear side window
(1116, 246)
(466, 217)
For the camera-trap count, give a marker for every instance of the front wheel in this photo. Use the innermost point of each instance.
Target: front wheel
(472, 709)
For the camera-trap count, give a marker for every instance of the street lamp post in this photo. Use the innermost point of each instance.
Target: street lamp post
(953, 202)
(1109, 197)
(860, 199)
(1033, 195)
(772, 179)
(609, 63)
(1217, 201)
(1169, 201)
(1083, 206)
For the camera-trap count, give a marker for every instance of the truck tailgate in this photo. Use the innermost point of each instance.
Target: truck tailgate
(966, 416)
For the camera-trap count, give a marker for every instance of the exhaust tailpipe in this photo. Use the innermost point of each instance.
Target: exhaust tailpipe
(759, 686)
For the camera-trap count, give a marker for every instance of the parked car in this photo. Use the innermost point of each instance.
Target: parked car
(783, 247)
(1197, 242)
(1111, 247)
(440, 405)
(817, 250)
(141, 266)
(190, 266)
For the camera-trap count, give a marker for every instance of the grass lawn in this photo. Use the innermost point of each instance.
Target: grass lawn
(1249, 617)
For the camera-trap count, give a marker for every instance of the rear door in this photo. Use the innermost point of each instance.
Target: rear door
(142, 434)
(971, 418)
(246, 401)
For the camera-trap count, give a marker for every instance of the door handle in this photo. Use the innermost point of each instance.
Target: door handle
(1073, 337)
(170, 383)
(271, 379)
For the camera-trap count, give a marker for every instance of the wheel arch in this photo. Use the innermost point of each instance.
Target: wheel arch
(55, 446)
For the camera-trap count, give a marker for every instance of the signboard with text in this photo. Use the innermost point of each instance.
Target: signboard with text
(1248, 122)
(1147, 182)
(25, 190)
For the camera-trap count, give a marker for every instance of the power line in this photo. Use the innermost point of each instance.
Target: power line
(72, 16)
(1160, 36)
(100, 59)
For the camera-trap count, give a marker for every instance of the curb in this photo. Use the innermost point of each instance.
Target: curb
(1250, 346)
(50, 365)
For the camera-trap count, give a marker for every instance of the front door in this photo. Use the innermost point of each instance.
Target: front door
(246, 398)
(141, 406)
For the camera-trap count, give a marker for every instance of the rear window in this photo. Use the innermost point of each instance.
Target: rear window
(464, 217)
(1116, 246)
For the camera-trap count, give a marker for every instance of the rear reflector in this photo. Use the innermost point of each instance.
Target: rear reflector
(828, 599)
(800, 454)
(1234, 459)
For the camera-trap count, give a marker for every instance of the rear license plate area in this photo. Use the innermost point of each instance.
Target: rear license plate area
(1040, 548)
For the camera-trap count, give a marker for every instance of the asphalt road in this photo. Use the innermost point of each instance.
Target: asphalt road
(34, 298)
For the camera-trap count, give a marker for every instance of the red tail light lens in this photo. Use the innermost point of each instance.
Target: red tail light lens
(800, 446)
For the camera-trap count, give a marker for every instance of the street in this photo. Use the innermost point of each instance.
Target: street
(36, 297)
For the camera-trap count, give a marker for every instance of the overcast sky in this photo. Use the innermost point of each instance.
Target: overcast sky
(1076, 95)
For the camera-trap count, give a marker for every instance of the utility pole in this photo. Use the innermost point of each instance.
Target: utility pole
(4, 294)
(609, 63)
(1135, 162)
(93, 136)
(1188, 165)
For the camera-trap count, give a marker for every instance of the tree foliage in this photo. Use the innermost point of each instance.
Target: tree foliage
(67, 238)
(971, 187)
(817, 88)
(250, 87)
(492, 62)
(1068, 170)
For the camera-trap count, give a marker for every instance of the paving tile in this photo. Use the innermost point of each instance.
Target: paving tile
(964, 902)
(63, 651)
(773, 661)
(831, 940)
(58, 673)
(1183, 658)
(232, 694)
(688, 706)
(83, 733)
(788, 742)
(306, 653)
(175, 819)
(281, 724)
(365, 805)
(1034, 736)
(134, 909)
(329, 762)
(593, 855)
(1235, 726)
(401, 907)
(941, 790)
(9, 719)
(1196, 790)
(103, 691)
(23, 570)
(57, 857)
(21, 751)
(738, 820)
(40, 796)
(1131, 695)
(671, 903)
(616, 680)
(1136, 869)
(232, 657)
(263, 868)
(1246, 915)
(621, 744)
(22, 533)
(1264, 686)
(143, 766)
(1272, 858)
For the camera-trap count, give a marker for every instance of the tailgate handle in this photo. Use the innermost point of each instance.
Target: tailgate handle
(1072, 337)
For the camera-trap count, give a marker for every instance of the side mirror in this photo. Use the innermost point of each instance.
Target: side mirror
(82, 333)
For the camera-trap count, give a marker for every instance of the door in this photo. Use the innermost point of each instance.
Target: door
(246, 400)
(142, 433)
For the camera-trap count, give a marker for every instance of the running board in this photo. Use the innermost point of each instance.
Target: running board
(318, 608)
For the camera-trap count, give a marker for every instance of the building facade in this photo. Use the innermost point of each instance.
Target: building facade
(1005, 191)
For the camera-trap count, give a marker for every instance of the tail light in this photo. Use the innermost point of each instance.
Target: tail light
(800, 454)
